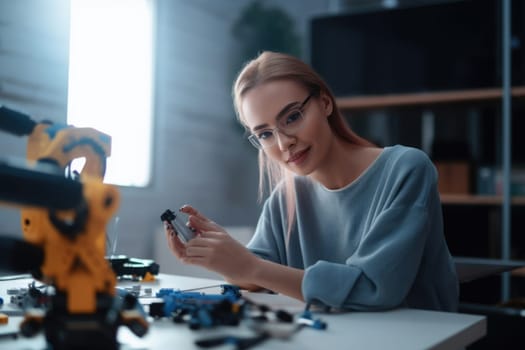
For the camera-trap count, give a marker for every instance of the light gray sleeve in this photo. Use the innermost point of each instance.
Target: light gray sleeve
(268, 241)
(380, 273)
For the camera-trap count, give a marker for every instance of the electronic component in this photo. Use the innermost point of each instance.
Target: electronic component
(184, 232)
(200, 310)
(133, 268)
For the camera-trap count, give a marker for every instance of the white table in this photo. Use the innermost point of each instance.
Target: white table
(397, 329)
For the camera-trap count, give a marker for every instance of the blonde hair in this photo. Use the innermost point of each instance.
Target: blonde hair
(271, 66)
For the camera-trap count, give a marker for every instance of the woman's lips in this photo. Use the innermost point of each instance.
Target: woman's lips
(298, 157)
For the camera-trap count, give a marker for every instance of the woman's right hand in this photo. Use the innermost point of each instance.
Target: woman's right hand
(177, 246)
(214, 249)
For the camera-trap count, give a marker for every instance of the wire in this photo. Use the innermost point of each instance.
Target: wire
(115, 235)
(15, 277)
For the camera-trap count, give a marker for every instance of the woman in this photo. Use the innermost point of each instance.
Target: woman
(347, 224)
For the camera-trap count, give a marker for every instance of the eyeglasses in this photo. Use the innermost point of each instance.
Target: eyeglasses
(289, 123)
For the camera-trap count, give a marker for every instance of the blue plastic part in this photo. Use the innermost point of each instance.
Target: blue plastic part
(202, 310)
(307, 319)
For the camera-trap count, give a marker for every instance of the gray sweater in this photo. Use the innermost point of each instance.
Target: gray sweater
(375, 244)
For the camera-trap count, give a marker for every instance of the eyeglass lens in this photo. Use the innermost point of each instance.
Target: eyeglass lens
(288, 124)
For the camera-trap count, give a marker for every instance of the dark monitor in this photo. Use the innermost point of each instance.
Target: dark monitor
(447, 46)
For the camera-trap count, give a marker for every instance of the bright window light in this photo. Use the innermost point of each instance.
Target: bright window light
(111, 79)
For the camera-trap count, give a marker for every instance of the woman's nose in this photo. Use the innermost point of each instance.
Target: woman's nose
(284, 141)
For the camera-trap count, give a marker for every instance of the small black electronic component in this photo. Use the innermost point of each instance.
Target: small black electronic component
(134, 268)
(177, 224)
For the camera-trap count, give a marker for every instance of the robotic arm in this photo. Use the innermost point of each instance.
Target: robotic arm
(64, 219)
(59, 144)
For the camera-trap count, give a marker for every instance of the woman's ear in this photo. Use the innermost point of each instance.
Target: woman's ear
(326, 103)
